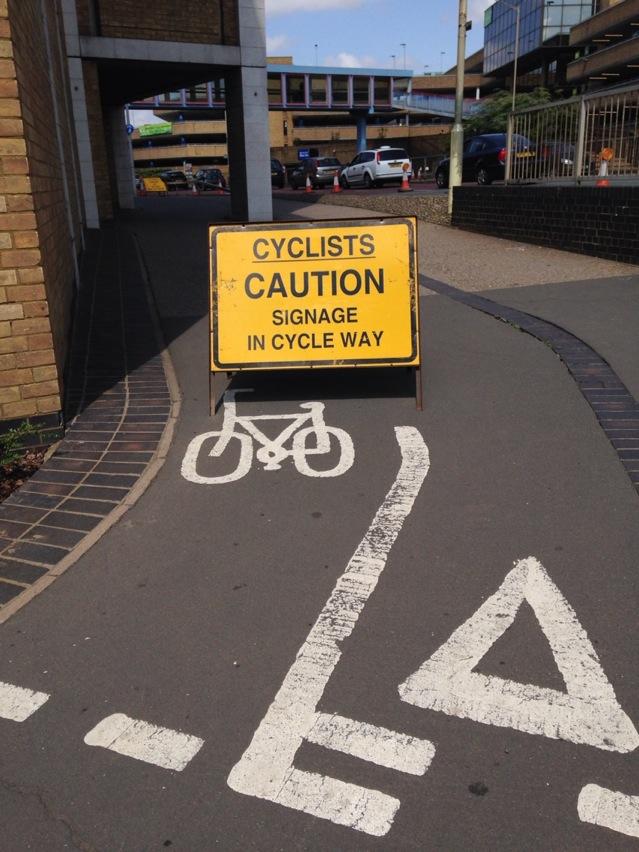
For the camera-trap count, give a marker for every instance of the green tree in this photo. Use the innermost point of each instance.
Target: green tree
(492, 116)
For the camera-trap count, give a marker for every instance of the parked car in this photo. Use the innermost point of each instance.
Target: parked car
(278, 174)
(376, 167)
(206, 179)
(174, 180)
(320, 170)
(484, 158)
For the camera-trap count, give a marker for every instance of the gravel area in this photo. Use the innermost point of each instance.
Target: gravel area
(427, 208)
(472, 262)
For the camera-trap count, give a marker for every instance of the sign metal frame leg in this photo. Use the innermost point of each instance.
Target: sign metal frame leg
(419, 389)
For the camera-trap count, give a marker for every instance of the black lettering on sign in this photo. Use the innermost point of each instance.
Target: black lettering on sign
(256, 341)
(356, 339)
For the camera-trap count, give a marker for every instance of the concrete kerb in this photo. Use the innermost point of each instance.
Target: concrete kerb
(143, 482)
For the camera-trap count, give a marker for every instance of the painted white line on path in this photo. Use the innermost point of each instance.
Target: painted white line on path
(609, 809)
(266, 769)
(142, 741)
(373, 743)
(587, 713)
(17, 703)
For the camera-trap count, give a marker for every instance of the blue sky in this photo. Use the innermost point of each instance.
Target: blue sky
(368, 32)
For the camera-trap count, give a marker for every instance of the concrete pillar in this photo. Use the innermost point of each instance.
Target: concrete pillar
(80, 115)
(248, 145)
(360, 120)
(247, 120)
(122, 159)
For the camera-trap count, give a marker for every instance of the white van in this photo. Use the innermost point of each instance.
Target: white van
(376, 166)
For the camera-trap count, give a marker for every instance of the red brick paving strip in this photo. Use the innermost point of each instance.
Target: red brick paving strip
(117, 406)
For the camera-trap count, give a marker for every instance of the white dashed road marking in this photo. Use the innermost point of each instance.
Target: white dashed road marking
(266, 769)
(17, 703)
(587, 713)
(142, 741)
(370, 742)
(609, 809)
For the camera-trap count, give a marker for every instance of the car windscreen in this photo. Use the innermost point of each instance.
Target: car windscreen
(392, 154)
(328, 161)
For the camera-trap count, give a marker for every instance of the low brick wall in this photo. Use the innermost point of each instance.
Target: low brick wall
(429, 208)
(601, 221)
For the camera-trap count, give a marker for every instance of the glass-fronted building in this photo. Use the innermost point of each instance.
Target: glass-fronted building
(542, 24)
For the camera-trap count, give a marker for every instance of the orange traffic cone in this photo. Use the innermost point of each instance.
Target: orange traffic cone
(603, 174)
(405, 187)
(308, 188)
(194, 189)
(220, 189)
(336, 186)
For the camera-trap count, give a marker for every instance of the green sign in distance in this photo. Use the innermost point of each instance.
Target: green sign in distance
(155, 129)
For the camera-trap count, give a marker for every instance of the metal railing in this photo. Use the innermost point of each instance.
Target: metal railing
(579, 140)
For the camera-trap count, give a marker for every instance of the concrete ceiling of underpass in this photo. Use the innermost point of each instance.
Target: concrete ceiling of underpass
(123, 81)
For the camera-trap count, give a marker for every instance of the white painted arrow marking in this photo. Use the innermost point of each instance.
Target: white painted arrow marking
(142, 741)
(609, 809)
(587, 713)
(266, 769)
(17, 703)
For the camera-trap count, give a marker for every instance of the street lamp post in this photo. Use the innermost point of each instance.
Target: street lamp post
(393, 58)
(316, 57)
(457, 133)
(403, 46)
(442, 53)
(517, 12)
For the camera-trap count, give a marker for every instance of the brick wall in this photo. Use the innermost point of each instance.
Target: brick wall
(601, 221)
(36, 259)
(197, 21)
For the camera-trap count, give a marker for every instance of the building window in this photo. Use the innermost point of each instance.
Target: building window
(340, 89)
(295, 93)
(382, 91)
(198, 94)
(360, 90)
(318, 89)
(274, 89)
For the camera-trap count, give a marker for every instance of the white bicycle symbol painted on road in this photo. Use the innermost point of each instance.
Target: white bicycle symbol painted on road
(309, 433)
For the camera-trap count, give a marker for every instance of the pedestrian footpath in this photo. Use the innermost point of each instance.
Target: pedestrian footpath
(117, 408)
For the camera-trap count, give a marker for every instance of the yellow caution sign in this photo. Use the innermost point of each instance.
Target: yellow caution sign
(314, 294)
(154, 184)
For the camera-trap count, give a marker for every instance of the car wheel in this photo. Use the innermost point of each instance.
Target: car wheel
(368, 181)
(343, 182)
(440, 179)
(483, 178)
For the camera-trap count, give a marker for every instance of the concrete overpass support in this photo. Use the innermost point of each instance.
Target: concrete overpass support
(248, 145)
(361, 131)
(247, 119)
(122, 159)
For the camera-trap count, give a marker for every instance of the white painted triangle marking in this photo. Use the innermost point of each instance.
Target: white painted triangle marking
(587, 712)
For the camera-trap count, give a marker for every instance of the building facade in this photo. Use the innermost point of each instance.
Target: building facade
(542, 48)
(67, 67)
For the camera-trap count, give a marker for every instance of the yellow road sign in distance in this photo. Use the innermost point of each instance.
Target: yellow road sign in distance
(326, 294)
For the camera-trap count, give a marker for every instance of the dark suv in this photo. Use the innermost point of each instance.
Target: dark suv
(484, 158)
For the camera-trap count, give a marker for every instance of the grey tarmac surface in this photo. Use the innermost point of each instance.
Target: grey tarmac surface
(190, 611)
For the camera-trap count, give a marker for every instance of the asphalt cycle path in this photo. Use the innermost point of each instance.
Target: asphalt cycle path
(432, 648)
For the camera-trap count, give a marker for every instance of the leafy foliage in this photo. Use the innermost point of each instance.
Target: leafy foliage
(11, 448)
(492, 116)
